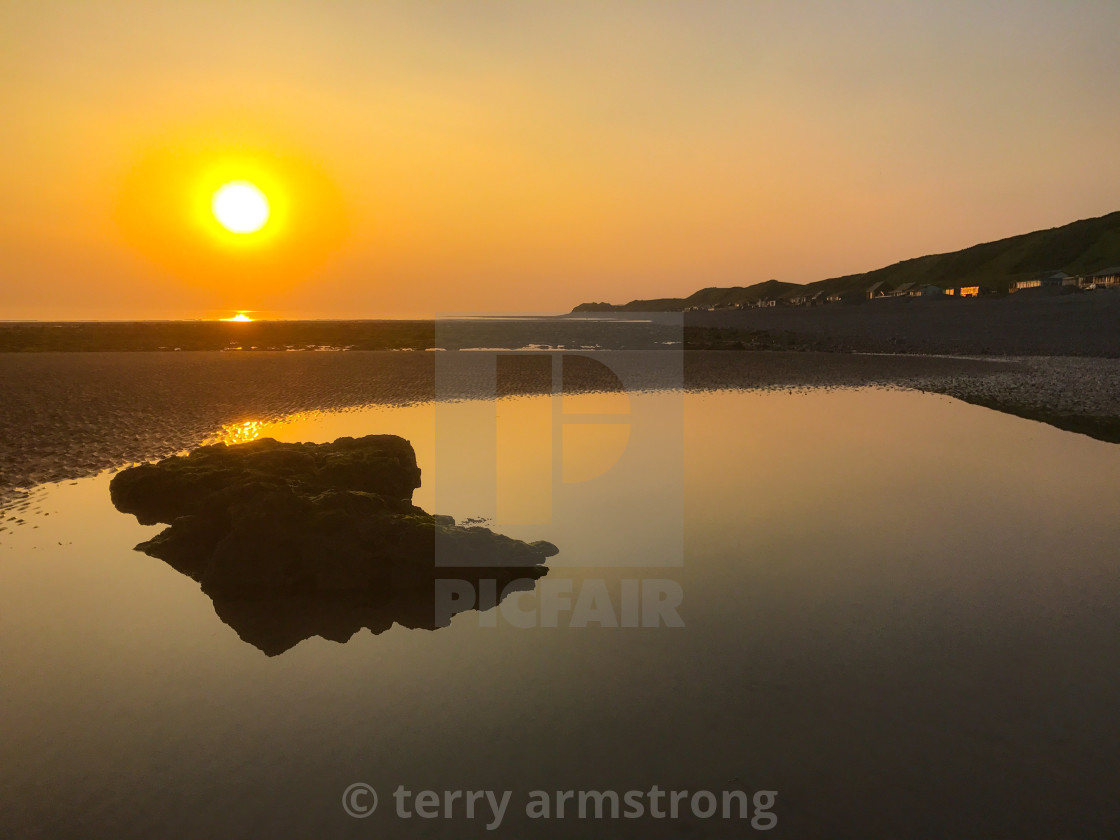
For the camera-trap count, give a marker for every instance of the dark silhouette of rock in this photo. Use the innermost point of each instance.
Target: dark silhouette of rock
(384, 465)
(282, 535)
(277, 623)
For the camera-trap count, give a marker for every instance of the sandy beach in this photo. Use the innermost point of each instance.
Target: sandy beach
(67, 415)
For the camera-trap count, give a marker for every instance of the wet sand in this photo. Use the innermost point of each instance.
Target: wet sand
(67, 415)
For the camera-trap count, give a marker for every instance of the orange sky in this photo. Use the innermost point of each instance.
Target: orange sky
(524, 157)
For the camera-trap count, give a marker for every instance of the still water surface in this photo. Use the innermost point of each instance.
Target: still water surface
(901, 612)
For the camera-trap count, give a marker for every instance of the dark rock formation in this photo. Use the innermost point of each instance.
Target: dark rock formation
(384, 465)
(287, 534)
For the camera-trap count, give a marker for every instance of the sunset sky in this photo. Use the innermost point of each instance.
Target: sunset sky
(427, 157)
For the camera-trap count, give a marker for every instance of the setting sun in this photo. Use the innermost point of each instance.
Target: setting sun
(237, 220)
(240, 207)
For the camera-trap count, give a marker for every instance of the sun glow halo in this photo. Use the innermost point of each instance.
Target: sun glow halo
(240, 207)
(237, 221)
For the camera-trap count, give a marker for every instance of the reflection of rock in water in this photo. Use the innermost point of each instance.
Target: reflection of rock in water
(276, 623)
(295, 540)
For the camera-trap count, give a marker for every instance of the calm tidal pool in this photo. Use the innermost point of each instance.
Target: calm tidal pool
(900, 612)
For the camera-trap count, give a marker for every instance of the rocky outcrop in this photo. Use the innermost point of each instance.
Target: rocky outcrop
(384, 465)
(307, 525)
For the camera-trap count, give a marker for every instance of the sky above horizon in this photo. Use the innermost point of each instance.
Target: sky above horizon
(426, 158)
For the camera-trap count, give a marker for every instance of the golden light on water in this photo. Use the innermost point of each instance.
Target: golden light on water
(232, 433)
(240, 207)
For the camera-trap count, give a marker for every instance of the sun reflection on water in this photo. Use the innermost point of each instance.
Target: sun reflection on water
(236, 433)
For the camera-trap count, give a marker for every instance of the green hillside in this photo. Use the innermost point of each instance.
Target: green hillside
(1081, 247)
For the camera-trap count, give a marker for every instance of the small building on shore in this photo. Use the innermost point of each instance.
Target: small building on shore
(1106, 278)
(963, 290)
(1045, 280)
(806, 298)
(922, 290)
(877, 290)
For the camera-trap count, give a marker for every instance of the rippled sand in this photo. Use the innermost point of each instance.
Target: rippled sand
(65, 415)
